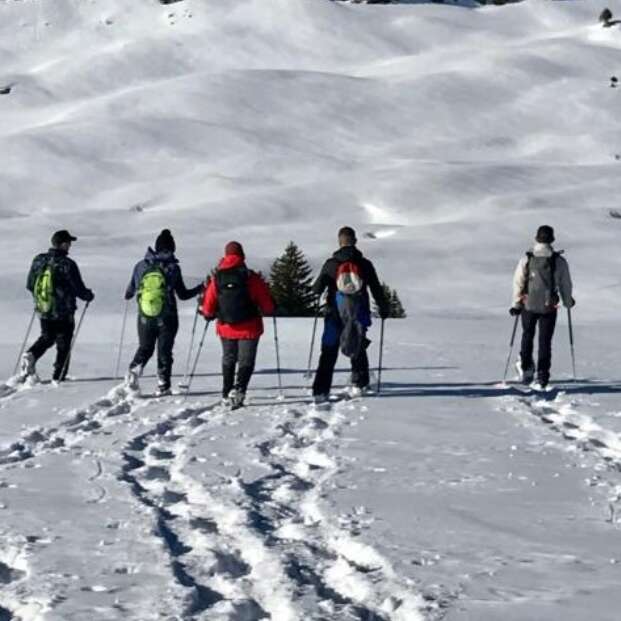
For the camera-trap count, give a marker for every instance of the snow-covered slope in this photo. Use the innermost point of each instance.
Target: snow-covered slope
(445, 135)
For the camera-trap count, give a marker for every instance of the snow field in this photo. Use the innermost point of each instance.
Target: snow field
(445, 136)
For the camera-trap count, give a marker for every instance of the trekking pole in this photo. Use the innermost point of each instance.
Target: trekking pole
(312, 345)
(117, 368)
(184, 382)
(21, 351)
(381, 355)
(198, 355)
(571, 342)
(515, 325)
(73, 341)
(277, 354)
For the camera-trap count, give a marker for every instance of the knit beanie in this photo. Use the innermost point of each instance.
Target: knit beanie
(545, 234)
(165, 242)
(235, 248)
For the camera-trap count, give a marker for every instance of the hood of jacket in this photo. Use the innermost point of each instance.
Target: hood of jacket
(542, 250)
(160, 257)
(231, 261)
(347, 253)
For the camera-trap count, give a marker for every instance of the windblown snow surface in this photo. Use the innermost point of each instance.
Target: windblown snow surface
(445, 135)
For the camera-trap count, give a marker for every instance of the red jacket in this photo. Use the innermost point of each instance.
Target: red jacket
(259, 294)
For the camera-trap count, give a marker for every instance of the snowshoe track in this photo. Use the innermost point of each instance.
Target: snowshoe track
(225, 537)
(580, 430)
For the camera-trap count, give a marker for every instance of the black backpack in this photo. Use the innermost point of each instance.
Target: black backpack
(234, 302)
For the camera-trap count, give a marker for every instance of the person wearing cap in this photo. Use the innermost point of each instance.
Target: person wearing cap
(160, 327)
(540, 282)
(58, 317)
(347, 253)
(237, 297)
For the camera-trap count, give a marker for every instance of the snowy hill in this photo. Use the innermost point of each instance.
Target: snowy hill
(445, 135)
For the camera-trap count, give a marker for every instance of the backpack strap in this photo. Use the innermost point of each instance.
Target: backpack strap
(529, 256)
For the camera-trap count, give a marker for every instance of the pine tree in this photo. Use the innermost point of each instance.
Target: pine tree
(291, 283)
(396, 307)
(394, 304)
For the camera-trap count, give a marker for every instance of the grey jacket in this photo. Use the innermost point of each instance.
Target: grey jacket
(562, 278)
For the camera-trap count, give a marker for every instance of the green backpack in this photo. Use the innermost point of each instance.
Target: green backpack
(44, 290)
(152, 292)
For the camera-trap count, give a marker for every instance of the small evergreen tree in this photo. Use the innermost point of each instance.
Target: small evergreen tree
(394, 304)
(291, 283)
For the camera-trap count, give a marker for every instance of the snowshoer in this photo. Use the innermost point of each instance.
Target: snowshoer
(55, 282)
(237, 297)
(155, 282)
(347, 276)
(541, 281)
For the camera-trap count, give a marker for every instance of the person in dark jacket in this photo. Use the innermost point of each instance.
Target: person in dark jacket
(57, 317)
(333, 325)
(238, 297)
(158, 320)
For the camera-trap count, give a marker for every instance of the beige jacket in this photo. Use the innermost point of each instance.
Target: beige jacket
(562, 276)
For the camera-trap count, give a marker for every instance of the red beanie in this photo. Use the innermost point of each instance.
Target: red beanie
(234, 247)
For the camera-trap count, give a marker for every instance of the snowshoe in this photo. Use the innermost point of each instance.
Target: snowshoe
(26, 367)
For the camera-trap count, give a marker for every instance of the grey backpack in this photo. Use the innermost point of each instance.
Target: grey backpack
(540, 287)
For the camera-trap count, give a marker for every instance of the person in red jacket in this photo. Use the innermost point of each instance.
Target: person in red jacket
(237, 297)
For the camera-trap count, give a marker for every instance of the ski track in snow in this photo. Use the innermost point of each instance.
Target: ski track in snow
(79, 423)
(583, 433)
(225, 538)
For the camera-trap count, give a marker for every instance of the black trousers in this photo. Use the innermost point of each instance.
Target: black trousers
(57, 332)
(546, 323)
(330, 344)
(240, 354)
(161, 331)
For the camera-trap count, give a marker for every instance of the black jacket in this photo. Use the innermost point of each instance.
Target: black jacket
(68, 283)
(327, 278)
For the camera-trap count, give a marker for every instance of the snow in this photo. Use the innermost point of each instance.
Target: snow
(445, 135)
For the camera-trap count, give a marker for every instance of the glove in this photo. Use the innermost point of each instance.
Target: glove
(209, 317)
(514, 311)
(128, 296)
(572, 303)
(90, 296)
(384, 312)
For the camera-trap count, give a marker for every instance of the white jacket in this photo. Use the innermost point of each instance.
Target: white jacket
(562, 276)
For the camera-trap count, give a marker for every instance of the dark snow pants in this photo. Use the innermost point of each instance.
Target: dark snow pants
(60, 333)
(240, 354)
(161, 331)
(329, 355)
(546, 323)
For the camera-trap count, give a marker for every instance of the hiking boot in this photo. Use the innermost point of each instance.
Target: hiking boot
(539, 385)
(237, 398)
(27, 366)
(321, 399)
(525, 376)
(132, 377)
(163, 387)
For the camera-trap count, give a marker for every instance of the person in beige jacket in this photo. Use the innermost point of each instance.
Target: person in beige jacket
(541, 281)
